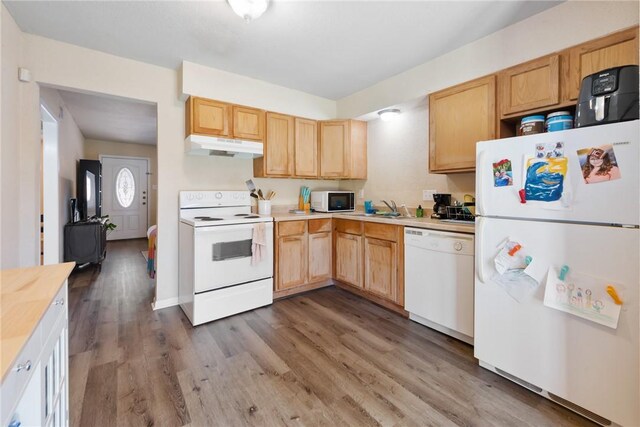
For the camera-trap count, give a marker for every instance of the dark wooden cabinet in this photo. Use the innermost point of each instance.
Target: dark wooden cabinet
(85, 242)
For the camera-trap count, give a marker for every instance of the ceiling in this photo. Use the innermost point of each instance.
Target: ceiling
(327, 48)
(114, 119)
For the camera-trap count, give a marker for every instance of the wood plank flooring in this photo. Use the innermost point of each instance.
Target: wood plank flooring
(325, 358)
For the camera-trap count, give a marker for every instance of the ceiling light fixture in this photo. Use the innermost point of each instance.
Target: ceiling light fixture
(388, 114)
(249, 9)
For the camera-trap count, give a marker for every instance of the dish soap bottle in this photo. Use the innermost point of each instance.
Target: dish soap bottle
(419, 212)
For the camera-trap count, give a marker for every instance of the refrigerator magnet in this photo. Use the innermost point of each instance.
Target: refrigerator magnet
(598, 164)
(502, 173)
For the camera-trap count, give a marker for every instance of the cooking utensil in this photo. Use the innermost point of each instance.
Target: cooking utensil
(250, 185)
(260, 194)
(271, 195)
(254, 195)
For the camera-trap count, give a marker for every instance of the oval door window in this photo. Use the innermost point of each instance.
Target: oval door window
(125, 187)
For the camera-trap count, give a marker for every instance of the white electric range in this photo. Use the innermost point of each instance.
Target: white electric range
(217, 275)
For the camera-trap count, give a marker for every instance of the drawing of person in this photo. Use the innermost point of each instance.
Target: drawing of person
(502, 179)
(598, 167)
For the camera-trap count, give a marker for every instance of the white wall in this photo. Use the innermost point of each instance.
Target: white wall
(9, 138)
(568, 24)
(70, 150)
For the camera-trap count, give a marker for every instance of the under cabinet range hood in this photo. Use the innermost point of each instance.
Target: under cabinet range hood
(200, 145)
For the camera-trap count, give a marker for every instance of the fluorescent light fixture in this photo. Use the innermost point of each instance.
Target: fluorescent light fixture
(249, 9)
(389, 114)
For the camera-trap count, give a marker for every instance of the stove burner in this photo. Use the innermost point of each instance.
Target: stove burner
(206, 218)
(247, 215)
(252, 216)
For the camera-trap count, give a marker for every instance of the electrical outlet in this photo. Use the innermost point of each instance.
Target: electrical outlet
(361, 193)
(428, 195)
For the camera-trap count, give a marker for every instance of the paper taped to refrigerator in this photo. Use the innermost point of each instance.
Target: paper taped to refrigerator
(583, 296)
(516, 272)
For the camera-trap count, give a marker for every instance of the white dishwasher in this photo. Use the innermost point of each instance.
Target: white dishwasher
(438, 269)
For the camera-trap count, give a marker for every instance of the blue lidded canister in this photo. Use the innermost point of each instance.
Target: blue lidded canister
(532, 124)
(560, 120)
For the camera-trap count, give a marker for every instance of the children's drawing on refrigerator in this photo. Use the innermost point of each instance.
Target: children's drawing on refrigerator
(598, 164)
(544, 179)
(502, 173)
(584, 296)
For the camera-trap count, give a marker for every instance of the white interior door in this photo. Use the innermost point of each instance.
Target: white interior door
(125, 196)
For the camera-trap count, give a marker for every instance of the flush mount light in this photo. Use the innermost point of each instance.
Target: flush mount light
(388, 114)
(249, 9)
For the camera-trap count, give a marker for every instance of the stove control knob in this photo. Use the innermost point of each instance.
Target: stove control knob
(199, 196)
(457, 246)
(235, 196)
(218, 195)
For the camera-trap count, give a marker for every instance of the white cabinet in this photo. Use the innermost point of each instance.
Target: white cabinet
(35, 389)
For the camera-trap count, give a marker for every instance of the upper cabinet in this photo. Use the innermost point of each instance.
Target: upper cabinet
(278, 148)
(612, 51)
(306, 148)
(215, 118)
(531, 85)
(248, 123)
(343, 149)
(459, 117)
(207, 117)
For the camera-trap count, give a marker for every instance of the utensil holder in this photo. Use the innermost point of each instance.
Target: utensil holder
(264, 207)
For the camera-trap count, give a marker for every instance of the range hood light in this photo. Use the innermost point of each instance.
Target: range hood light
(249, 9)
(389, 114)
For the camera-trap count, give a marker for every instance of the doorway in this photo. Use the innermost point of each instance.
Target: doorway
(50, 230)
(125, 195)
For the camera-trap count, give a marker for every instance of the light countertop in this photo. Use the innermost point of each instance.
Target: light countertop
(424, 222)
(26, 294)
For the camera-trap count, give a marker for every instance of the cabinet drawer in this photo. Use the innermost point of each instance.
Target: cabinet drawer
(291, 228)
(349, 226)
(319, 225)
(381, 231)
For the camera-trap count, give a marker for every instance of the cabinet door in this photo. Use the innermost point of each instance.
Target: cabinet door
(380, 268)
(248, 123)
(208, 117)
(459, 117)
(306, 148)
(607, 52)
(319, 257)
(278, 149)
(334, 149)
(531, 85)
(292, 262)
(358, 150)
(349, 259)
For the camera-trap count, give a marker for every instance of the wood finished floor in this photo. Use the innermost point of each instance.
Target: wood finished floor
(324, 358)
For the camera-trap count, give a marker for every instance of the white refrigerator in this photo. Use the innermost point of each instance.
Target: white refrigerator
(549, 270)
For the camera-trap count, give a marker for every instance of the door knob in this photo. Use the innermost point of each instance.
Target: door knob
(143, 203)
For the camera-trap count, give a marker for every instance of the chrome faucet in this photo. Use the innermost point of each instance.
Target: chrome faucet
(392, 206)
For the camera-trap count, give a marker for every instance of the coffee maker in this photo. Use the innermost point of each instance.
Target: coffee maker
(440, 208)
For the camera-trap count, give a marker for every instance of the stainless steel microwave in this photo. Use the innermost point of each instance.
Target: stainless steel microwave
(333, 201)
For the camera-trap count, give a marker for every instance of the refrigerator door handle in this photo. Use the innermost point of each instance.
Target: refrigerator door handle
(480, 178)
(480, 224)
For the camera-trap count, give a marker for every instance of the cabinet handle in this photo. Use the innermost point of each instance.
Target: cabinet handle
(24, 366)
(59, 301)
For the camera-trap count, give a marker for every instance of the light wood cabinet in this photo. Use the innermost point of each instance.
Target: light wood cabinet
(380, 267)
(292, 261)
(303, 256)
(319, 257)
(349, 259)
(248, 123)
(617, 49)
(343, 149)
(208, 117)
(531, 85)
(459, 117)
(278, 155)
(306, 148)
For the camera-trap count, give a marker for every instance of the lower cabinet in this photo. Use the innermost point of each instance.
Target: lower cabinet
(303, 256)
(349, 259)
(380, 267)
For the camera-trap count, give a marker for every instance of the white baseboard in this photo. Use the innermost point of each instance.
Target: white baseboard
(169, 302)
